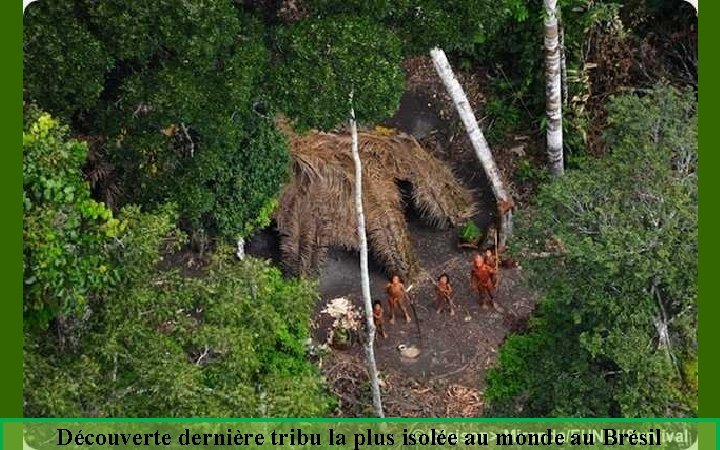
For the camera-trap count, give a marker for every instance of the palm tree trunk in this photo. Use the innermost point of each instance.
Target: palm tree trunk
(364, 273)
(553, 90)
(482, 150)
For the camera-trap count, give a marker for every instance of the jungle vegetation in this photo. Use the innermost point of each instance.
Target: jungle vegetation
(152, 129)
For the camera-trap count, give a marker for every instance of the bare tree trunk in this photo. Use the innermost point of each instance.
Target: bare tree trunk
(482, 150)
(553, 91)
(364, 273)
(563, 61)
(240, 252)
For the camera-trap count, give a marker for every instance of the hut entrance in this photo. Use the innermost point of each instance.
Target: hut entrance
(417, 224)
(265, 244)
(406, 192)
(340, 272)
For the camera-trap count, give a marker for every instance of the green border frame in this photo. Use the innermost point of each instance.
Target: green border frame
(364, 420)
(11, 378)
(11, 335)
(11, 434)
(709, 223)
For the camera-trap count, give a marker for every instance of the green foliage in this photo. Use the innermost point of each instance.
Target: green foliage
(65, 232)
(222, 189)
(514, 55)
(324, 60)
(230, 342)
(622, 232)
(145, 238)
(506, 118)
(454, 25)
(64, 65)
(109, 333)
(690, 374)
(374, 9)
(526, 172)
(168, 89)
(139, 31)
(599, 18)
(516, 58)
(470, 232)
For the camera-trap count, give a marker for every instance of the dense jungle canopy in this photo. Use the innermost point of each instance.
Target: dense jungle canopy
(152, 143)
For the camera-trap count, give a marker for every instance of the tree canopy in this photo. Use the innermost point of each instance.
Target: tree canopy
(324, 60)
(166, 91)
(151, 127)
(65, 232)
(455, 25)
(615, 333)
(131, 338)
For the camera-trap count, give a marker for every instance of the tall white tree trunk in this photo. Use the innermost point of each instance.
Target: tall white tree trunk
(553, 91)
(563, 60)
(240, 252)
(364, 273)
(482, 150)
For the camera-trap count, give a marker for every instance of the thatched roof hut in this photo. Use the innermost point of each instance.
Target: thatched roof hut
(317, 209)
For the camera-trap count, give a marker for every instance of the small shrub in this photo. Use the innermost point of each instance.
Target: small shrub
(470, 232)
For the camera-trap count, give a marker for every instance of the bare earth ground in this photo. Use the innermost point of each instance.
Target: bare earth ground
(448, 376)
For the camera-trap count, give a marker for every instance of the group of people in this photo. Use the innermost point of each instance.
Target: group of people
(483, 279)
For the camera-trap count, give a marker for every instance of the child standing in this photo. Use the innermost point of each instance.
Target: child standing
(378, 318)
(443, 293)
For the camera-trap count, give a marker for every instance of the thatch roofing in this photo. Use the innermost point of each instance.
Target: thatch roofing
(317, 208)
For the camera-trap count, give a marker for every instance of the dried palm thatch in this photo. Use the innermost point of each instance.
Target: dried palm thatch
(316, 208)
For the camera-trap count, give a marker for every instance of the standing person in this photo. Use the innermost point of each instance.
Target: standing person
(443, 293)
(481, 278)
(378, 319)
(397, 298)
(492, 261)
